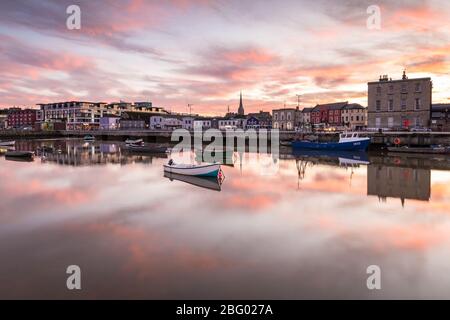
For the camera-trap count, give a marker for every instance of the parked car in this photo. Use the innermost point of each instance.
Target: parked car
(420, 129)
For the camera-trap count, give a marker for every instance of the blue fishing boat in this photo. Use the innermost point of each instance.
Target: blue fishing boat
(347, 142)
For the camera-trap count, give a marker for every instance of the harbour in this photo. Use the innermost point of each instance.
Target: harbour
(247, 237)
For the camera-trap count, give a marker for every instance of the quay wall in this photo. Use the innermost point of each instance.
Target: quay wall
(378, 139)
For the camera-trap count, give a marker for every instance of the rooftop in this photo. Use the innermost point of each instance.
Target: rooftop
(331, 106)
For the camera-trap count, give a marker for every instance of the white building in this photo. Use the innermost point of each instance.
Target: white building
(172, 123)
(232, 123)
(156, 123)
(202, 124)
(187, 123)
(77, 114)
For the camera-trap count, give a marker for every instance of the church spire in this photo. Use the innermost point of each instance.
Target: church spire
(241, 106)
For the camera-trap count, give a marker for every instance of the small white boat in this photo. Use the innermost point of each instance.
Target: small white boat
(7, 143)
(203, 170)
(134, 141)
(89, 138)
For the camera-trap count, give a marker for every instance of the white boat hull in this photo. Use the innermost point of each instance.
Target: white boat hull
(208, 170)
(7, 143)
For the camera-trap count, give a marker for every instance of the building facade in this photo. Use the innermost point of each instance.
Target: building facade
(79, 115)
(21, 118)
(187, 123)
(202, 124)
(354, 116)
(328, 114)
(4, 119)
(395, 104)
(440, 117)
(232, 123)
(132, 124)
(109, 122)
(261, 119)
(284, 119)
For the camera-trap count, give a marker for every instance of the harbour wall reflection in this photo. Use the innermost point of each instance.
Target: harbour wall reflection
(388, 176)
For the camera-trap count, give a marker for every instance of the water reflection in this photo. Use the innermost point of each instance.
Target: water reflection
(388, 181)
(203, 182)
(138, 234)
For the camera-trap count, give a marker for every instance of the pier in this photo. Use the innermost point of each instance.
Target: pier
(160, 136)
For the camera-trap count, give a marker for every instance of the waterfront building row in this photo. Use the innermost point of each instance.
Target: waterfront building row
(336, 115)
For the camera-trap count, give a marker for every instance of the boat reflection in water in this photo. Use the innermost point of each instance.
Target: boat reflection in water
(210, 183)
(356, 157)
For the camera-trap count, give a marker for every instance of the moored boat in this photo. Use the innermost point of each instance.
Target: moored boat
(145, 149)
(347, 142)
(7, 143)
(212, 183)
(19, 154)
(136, 142)
(202, 170)
(89, 138)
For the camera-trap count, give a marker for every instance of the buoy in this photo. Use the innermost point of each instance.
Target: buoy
(397, 141)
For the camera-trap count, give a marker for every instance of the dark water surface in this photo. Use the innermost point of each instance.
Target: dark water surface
(308, 231)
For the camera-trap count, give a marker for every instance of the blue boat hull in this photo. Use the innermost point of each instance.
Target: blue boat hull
(214, 173)
(344, 146)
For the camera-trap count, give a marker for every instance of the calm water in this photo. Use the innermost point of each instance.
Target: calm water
(310, 231)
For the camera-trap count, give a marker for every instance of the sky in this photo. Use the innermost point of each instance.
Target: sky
(204, 52)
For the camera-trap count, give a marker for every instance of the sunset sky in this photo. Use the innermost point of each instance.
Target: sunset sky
(203, 52)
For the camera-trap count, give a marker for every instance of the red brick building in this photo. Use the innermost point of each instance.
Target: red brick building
(329, 114)
(18, 118)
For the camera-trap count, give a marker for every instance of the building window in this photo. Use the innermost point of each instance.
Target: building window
(418, 87)
(378, 105)
(404, 87)
(378, 90)
(391, 88)
(378, 122)
(391, 105)
(289, 126)
(390, 122)
(417, 104)
(276, 116)
(403, 104)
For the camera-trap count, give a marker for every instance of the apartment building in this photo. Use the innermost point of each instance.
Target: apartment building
(394, 104)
